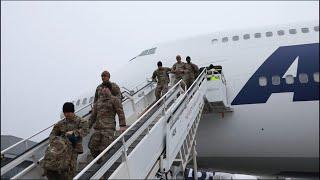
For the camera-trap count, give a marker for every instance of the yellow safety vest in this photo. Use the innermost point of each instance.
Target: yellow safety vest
(213, 78)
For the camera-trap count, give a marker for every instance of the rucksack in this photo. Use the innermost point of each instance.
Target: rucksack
(58, 155)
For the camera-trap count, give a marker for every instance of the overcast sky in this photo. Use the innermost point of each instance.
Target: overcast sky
(54, 51)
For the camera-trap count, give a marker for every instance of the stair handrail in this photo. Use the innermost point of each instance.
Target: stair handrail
(119, 138)
(23, 140)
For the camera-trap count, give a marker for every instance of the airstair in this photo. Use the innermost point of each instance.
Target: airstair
(134, 103)
(159, 143)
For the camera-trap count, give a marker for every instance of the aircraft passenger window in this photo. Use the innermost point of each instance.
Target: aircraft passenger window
(235, 38)
(84, 101)
(246, 36)
(225, 39)
(91, 100)
(305, 30)
(275, 80)
(316, 77)
(289, 79)
(303, 78)
(280, 32)
(257, 35)
(214, 41)
(316, 28)
(292, 31)
(78, 102)
(262, 81)
(269, 34)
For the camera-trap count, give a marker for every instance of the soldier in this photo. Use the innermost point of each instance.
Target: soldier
(105, 76)
(161, 76)
(178, 69)
(103, 117)
(191, 72)
(74, 128)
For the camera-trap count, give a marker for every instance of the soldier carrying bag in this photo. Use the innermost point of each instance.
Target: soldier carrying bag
(58, 155)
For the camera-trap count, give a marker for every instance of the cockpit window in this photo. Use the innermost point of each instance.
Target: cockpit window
(148, 52)
(145, 52)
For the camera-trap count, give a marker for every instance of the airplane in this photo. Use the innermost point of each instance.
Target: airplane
(272, 85)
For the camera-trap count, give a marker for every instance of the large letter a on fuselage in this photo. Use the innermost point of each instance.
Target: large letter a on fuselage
(277, 64)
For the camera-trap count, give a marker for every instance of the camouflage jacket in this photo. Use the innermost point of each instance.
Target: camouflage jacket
(104, 112)
(115, 91)
(162, 75)
(178, 69)
(79, 127)
(192, 69)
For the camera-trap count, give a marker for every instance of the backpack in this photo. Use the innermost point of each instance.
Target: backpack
(58, 155)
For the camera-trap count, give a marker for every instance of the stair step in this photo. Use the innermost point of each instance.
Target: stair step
(82, 165)
(111, 170)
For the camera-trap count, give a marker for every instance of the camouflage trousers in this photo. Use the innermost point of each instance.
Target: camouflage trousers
(161, 89)
(100, 140)
(178, 78)
(64, 175)
(188, 79)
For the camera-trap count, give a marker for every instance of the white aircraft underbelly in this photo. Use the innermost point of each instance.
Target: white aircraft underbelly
(279, 135)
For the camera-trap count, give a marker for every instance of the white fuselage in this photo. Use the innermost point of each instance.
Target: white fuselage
(278, 136)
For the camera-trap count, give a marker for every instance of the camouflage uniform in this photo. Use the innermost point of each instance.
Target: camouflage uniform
(191, 73)
(103, 116)
(115, 91)
(178, 70)
(162, 81)
(80, 129)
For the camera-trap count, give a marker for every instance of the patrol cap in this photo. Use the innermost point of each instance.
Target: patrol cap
(105, 73)
(68, 107)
